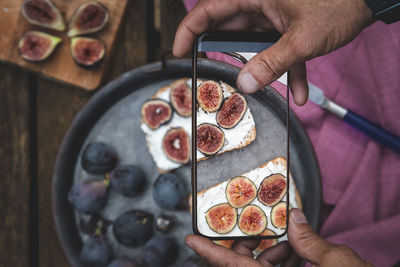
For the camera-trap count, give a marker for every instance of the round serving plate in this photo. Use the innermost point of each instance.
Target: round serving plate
(113, 116)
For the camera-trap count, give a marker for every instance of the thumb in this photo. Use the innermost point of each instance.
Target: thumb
(304, 241)
(269, 65)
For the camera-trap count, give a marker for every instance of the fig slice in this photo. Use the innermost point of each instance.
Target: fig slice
(221, 218)
(156, 112)
(209, 138)
(43, 13)
(37, 46)
(240, 191)
(252, 220)
(278, 215)
(87, 52)
(88, 18)
(272, 189)
(181, 98)
(176, 145)
(232, 111)
(224, 243)
(266, 243)
(209, 96)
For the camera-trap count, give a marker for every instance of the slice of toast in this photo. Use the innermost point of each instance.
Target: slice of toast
(216, 195)
(238, 137)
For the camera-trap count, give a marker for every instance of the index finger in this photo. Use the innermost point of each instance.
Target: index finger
(216, 254)
(199, 20)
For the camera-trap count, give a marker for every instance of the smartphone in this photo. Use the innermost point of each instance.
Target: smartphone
(240, 143)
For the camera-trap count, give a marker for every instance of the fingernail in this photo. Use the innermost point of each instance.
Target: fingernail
(247, 83)
(190, 245)
(298, 216)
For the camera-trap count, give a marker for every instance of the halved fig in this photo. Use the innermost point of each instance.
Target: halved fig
(176, 146)
(267, 243)
(209, 138)
(221, 218)
(240, 191)
(272, 189)
(87, 52)
(209, 96)
(43, 13)
(181, 98)
(224, 243)
(252, 220)
(278, 215)
(156, 112)
(232, 111)
(37, 46)
(88, 18)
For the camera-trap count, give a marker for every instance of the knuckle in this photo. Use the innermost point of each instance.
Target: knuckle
(271, 65)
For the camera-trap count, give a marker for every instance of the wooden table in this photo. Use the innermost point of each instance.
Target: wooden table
(36, 112)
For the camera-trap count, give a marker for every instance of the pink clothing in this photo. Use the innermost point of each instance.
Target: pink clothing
(360, 177)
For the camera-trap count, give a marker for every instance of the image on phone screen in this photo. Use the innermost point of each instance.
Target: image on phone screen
(240, 178)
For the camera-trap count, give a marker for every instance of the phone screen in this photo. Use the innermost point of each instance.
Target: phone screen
(240, 154)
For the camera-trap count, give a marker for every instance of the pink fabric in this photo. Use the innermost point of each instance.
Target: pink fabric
(360, 178)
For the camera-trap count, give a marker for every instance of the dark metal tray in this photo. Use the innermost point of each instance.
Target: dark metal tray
(113, 116)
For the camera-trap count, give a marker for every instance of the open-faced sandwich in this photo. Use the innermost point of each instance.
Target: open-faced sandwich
(223, 114)
(260, 194)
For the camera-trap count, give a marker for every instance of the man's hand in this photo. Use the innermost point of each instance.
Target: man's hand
(310, 28)
(302, 239)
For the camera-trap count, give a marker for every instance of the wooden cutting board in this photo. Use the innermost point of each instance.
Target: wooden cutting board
(60, 65)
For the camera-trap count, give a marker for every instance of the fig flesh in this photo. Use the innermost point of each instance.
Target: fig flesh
(267, 243)
(43, 13)
(240, 191)
(278, 215)
(272, 189)
(221, 218)
(209, 138)
(37, 46)
(181, 98)
(88, 18)
(232, 111)
(225, 243)
(156, 112)
(87, 52)
(176, 145)
(252, 220)
(209, 96)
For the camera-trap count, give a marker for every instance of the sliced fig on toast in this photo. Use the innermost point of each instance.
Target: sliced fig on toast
(267, 243)
(279, 214)
(156, 112)
(209, 96)
(252, 220)
(240, 191)
(232, 111)
(272, 189)
(176, 145)
(181, 98)
(221, 218)
(209, 138)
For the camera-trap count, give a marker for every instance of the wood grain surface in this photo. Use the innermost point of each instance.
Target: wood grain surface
(36, 112)
(60, 65)
(15, 166)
